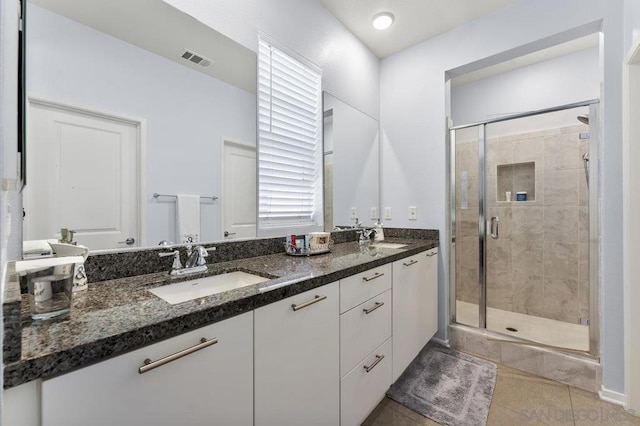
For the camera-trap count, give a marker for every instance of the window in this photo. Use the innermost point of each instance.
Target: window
(289, 143)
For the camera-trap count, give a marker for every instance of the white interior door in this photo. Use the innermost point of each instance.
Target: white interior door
(238, 191)
(83, 175)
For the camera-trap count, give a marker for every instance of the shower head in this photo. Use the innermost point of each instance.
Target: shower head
(583, 118)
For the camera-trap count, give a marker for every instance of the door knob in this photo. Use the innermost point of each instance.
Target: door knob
(227, 233)
(129, 241)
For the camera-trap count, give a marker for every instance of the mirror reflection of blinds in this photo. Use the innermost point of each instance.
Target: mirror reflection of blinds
(289, 107)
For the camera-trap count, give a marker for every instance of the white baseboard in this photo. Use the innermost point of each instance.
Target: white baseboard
(611, 396)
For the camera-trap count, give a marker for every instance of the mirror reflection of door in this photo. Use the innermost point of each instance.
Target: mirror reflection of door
(238, 190)
(83, 176)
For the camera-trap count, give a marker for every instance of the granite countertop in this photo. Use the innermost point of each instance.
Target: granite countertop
(116, 316)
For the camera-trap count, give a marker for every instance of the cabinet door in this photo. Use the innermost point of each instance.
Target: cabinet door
(430, 312)
(361, 287)
(213, 385)
(297, 360)
(364, 328)
(365, 386)
(21, 405)
(414, 309)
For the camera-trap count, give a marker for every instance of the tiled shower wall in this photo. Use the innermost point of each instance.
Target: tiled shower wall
(540, 264)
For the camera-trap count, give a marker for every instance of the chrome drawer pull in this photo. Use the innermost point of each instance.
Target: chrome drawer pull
(376, 306)
(432, 254)
(413, 262)
(309, 303)
(376, 362)
(376, 275)
(150, 365)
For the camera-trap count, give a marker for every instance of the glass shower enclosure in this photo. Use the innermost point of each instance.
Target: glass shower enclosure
(524, 229)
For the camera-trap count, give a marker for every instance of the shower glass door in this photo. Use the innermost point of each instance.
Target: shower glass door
(522, 230)
(467, 240)
(537, 245)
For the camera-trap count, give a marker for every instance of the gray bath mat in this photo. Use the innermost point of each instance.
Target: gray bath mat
(447, 386)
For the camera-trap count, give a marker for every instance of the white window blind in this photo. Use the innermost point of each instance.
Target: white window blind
(289, 141)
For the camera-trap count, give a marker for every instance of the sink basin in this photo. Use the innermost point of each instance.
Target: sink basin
(389, 245)
(202, 287)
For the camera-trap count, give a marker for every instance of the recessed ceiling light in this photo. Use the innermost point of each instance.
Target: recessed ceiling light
(382, 20)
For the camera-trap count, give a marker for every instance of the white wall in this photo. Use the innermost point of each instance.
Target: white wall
(612, 328)
(563, 80)
(349, 70)
(632, 230)
(413, 120)
(631, 22)
(10, 198)
(187, 112)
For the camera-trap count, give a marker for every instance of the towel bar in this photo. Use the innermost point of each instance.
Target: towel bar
(156, 195)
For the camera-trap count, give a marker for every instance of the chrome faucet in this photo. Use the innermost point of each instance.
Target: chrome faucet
(195, 260)
(357, 223)
(365, 235)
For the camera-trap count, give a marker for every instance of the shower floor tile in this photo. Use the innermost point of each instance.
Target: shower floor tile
(541, 330)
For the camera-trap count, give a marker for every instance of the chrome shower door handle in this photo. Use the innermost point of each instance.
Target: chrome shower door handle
(495, 228)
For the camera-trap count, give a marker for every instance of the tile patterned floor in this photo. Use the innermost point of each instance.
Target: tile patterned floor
(522, 399)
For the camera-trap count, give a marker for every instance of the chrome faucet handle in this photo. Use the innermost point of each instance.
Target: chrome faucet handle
(365, 234)
(202, 253)
(176, 259)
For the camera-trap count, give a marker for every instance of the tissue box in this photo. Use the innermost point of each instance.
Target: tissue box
(319, 240)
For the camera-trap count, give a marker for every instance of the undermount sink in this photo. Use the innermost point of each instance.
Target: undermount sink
(389, 245)
(207, 286)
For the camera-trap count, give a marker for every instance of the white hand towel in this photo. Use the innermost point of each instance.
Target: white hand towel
(188, 218)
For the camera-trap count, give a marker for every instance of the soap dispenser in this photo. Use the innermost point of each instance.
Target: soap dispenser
(379, 236)
(67, 247)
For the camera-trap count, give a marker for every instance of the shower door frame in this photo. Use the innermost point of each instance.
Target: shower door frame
(594, 218)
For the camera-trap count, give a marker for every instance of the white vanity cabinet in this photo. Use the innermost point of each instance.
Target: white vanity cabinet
(297, 360)
(323, 357)
(415, 306)
(212, 385)
(365, 343)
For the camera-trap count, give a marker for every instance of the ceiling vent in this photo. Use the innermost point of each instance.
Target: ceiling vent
(195, 58)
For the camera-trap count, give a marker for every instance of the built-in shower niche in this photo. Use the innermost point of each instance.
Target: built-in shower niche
(514, 178)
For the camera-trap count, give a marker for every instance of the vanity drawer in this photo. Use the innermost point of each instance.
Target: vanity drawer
(362, 390)
(363, 286)
(362, 332)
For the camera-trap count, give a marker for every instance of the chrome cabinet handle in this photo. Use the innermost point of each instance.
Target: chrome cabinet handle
(495, 234)
(129, 241)
(376, 306)
(309, 303)
(376, 362)
(150, 365)
(432, 254)
(413, 262)
(227, 233)
(376, 275)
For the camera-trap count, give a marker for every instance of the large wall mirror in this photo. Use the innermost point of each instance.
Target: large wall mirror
(130, 99)
(351, 165)
(118, 110)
